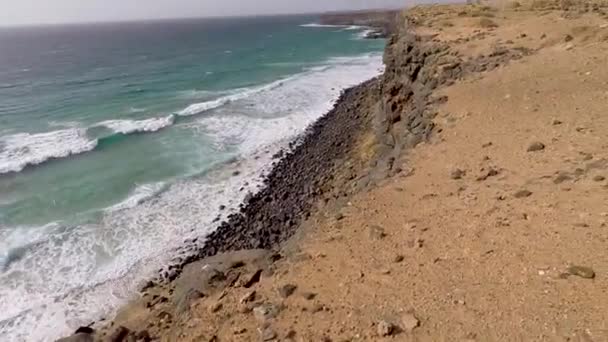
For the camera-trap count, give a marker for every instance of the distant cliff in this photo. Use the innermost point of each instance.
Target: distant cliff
(383, 20)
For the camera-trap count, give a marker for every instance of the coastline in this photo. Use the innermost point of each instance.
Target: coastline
(355, 149)
(352, 148)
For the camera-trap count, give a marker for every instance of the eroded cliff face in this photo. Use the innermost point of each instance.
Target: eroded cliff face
(415, 67)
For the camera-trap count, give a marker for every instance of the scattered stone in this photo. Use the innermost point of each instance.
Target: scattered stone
(489, 173)
(488, 144)
(568, 38)
(339, 216)
(581, 271)
(523, 194)
(309, 295)
(599, 178)
(215, 307)
(556, 122)
(267, 334)
(291, 334)
(410, 322)
(287, 290)
(536, 146)
(562, 177)
(398, 258)
(265, 312)
(543, 36)
(239, 331)
(376, 232)
(184, 302)
(248, 297)
(385, 328)
(143, 336)
(253, 278)
(457, 174)
(84, 330)
(119, 334)
(317, 308)
(78, 337)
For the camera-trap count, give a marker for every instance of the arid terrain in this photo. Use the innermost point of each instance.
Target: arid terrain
(494, 227)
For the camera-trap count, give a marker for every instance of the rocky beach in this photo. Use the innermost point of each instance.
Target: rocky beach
(460, 196)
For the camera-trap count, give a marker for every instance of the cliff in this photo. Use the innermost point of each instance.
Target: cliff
(455, 197)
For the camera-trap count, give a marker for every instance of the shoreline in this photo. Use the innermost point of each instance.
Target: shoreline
(352, 151)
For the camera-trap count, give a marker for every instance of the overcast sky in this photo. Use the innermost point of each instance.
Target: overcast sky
(17, 12)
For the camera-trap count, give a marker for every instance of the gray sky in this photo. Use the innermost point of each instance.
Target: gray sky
(17, 12)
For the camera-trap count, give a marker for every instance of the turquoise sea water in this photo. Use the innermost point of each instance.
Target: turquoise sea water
(119, 141)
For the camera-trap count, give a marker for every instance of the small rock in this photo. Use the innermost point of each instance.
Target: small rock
(84, 330)
(385, 328)
(215, 307)
(79, 337)
(251, 279)
(119, 334)
(523, 194)
(267, 334)
(291, 334)
(309, 295)
(248, 297)
(410, 322)
(599, 178)
(562, 177)
(536, 146)
(556, 122)
(376, 233)
(287, 290)
(543, 36)
(457, 174)
(398, 258)
(317, 308)
(582, 271)
(265, 312)
(489, 173)
(239, 331)
(568, 38)
(339, 216)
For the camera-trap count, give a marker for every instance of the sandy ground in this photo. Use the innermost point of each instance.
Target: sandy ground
(496, 229)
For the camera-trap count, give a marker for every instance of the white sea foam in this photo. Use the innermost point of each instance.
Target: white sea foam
(23, 149)
(364, 34)
(78, 274)
(236, 95)
(317, 25)
(267, 117)
(136, 110)
(138, 126)
(141, 194)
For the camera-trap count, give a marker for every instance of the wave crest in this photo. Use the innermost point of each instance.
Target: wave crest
(138, 126)
(23, 149)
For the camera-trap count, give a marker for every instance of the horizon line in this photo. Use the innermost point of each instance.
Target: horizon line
(144, 20)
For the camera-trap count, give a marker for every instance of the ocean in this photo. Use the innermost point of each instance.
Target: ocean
(120, 141)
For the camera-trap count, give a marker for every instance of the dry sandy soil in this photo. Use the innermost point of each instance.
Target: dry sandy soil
(496, 229)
